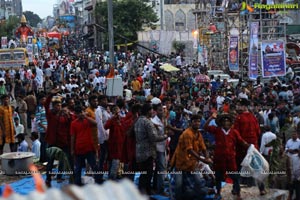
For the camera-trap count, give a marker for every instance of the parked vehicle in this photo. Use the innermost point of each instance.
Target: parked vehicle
(15, 57)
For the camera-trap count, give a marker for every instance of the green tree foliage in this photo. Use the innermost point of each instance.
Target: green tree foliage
(8, 26)
(178, 46)
(129, 17)
(32, 19)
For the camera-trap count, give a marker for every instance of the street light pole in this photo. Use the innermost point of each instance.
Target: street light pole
(110, 31)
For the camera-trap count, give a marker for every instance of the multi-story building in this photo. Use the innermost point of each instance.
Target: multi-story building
(79, 17)
(174, 14)
(10, 8)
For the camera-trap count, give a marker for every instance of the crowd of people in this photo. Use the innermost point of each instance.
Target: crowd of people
(162, 124)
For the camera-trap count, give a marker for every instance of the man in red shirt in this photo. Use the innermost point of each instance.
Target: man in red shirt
(115, 142)
(249, 129)
(227, 139)
(140, 79)
(82, 145)
(58, 132)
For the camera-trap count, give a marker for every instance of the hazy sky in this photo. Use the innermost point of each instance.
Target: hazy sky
(42, 8)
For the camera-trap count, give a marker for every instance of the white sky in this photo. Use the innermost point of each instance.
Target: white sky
(42, 8)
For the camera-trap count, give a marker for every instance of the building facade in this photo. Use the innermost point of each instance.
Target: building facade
(10, 8)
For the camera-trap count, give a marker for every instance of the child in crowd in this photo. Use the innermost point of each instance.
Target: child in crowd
(23, 145)
(19, 128)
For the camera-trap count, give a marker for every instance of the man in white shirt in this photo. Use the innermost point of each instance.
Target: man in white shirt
(147, 90)
(18, 127)
(102, 81)
(160, 161)
(39, 77)
(48, 72)
(95, 81)
(220, 100)
(101, 118)
(296, 119)
(243, 94)
(293, 145)
(72, 85)
(178, 61)
(295, 185)
(2, 72)
(128, 93)
(36, 144)
(12, 73)
(267, 137)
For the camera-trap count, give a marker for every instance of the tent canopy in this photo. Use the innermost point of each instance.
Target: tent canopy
(169, 68)
(54, 34)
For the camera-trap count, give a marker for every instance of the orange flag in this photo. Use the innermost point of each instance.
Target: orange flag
(249, 8)
(39, 182)
(111, 72)
(7, 191)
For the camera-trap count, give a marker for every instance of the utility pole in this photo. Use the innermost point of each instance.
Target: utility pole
(111, 32)
(161, 4)
(100, 21)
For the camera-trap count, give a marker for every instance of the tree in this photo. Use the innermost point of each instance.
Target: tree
(32, 19)
(130, 16)
(178, 46)
(8, 26)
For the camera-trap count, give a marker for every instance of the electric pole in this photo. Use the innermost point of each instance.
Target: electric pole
(111, 32)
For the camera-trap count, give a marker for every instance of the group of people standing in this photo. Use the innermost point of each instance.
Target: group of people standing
(161, 123)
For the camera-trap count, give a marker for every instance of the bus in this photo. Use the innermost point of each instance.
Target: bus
(13, 58)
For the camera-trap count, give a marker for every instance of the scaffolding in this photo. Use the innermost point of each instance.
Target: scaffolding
(270, 29)
(228, 16)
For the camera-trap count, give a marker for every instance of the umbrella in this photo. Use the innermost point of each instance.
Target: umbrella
(169, 68)
(201, 78)
(292, 45)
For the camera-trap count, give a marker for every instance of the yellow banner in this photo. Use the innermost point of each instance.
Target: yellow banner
(126, 44)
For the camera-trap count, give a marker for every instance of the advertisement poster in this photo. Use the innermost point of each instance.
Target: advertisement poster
(273, 58)
(3, 42)
(253, 51)
(29, 48)
(29, 40)
(233, 53)
(202, 54)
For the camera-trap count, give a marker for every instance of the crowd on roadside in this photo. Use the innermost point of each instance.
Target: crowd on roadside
(164, 121)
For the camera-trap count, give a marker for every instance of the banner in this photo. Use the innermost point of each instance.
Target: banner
(273, 58)
(3, 42)
(253, 51)
(202, 55)
(233, 53)
(29, 48)
(29, 40)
